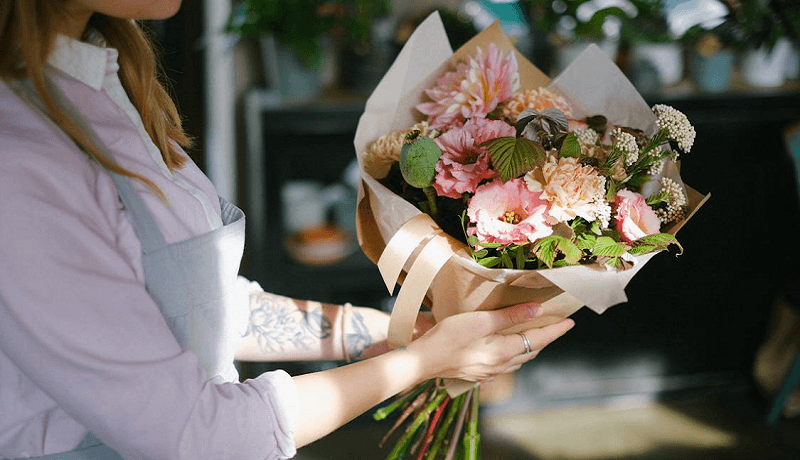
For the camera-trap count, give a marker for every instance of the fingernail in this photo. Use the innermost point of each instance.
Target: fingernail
(532, 310)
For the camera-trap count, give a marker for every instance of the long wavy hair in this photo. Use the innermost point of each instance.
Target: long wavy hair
(27, 35)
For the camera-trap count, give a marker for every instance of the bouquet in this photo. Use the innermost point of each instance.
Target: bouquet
(484, 184)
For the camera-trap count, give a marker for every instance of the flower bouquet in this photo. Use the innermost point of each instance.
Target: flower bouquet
(485, 184)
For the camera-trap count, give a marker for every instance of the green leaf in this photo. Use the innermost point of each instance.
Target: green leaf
(596, 227)
(605, 246)
(548, 248)
(570, 147)
(644, 249)
(473, 240)
(637, 181)
(480, 254)
(506, 260)
(586, 240)
(572, 253)
(657, 198)
(660, 240)
(513, 156)
(545, 250)
(520, 257)
(489, 262)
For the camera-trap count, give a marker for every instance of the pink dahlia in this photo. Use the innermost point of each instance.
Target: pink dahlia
(508, 213)
(473, 89)
(464, 164)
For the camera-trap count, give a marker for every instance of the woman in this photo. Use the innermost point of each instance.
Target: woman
(120, 307)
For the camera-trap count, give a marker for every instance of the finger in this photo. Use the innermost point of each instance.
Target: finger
(538, 338)
(543, 336)
(503, 318)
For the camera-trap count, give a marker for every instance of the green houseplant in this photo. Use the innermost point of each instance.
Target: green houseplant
(571, 25)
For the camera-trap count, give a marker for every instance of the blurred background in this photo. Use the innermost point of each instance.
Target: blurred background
(693, 365)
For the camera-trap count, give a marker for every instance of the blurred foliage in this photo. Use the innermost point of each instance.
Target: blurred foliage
(300, 24)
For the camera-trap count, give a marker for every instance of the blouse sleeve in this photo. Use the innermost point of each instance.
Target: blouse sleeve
(76, 319)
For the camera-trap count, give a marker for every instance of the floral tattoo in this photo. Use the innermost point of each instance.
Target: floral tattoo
(278, 324)
(358, 338)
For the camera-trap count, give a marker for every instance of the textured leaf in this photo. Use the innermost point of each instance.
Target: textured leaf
(545, 250)
(660, 240)
(489, 262)
(506, 259)
(605, 246)
(513, 156)
(520, 252)
(570, 147)
(644, 249)
(586, 240)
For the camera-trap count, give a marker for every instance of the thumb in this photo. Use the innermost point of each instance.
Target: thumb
(504, 318)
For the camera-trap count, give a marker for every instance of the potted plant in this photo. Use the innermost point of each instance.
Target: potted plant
(291, 34)
(365, 30)
(770, 29)
(712, 53)
(573, 24)
(651, 45)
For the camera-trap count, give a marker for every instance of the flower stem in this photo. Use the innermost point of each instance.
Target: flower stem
(430, 192)
(451, 452)
(403, 443)
(384, 412)
(418, 401)
(455, 407)
(432, 427)
(472, 438)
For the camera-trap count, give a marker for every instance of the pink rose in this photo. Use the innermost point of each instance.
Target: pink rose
(634, 218)
(508, 213)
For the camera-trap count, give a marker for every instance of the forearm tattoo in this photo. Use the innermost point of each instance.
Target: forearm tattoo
(358, 338)
(277, 324)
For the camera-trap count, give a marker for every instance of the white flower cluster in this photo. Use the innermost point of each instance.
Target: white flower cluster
(602, 211)
(626, 143)
(676, 124)
(656, 168)
(676, 204)
(586, 136)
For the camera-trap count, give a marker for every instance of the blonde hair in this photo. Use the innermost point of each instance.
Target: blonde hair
(27, 35)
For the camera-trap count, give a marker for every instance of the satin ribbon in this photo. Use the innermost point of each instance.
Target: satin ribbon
(423, 243)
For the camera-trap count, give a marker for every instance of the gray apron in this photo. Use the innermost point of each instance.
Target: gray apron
(193, 281)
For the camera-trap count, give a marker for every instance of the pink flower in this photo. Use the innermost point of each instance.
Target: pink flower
(463, 164)
(473, 89)
(635, 218)
(508, 213)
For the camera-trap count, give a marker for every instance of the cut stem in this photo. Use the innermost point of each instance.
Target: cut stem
(403, 443)
(454, 409)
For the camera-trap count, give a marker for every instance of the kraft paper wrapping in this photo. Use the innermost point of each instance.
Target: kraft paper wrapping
(436, 269)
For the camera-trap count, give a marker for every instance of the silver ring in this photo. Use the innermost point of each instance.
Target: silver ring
(526, 342)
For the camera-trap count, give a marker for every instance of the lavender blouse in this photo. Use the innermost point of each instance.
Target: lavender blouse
(82, 344)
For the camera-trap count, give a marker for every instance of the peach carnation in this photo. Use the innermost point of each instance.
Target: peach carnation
(473, 89)
(464, 164)
(573, 189)
(508, 213)
(536, 99)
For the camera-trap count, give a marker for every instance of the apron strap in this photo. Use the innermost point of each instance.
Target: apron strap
(144, 225)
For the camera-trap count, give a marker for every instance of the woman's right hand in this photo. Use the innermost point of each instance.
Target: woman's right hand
(470, 346)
